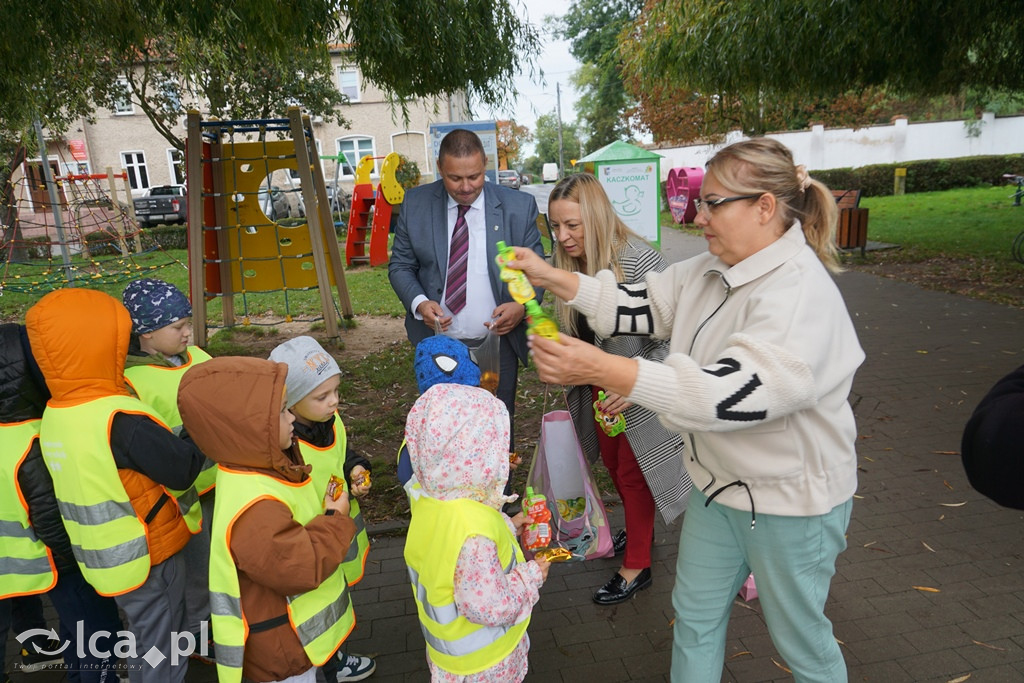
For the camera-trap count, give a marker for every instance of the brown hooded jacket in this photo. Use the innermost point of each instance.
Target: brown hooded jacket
(231, 407)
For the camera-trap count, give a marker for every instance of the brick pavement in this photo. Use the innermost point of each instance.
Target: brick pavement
(916, 522)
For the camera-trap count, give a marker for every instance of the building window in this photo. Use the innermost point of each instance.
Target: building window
(354, 149)
(176, 165)
(348, 83)
(134, 164)
(123, 104)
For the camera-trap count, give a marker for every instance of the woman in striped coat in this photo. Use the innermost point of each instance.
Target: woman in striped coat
(645, 462)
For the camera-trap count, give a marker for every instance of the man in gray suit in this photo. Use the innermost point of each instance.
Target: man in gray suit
(466, 299)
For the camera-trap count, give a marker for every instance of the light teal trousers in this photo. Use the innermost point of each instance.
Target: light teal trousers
(793, 560)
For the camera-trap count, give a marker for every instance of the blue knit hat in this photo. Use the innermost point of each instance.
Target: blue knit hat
(444, 360)
(153, 304)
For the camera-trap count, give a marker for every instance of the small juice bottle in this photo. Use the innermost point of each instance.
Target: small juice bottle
(518, 286)
(536, 534)
(538, 322)
(611, 424)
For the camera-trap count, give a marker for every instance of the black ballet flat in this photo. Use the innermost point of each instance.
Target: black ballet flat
(617, 590)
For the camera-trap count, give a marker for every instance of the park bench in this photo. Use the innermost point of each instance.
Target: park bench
(852, 231)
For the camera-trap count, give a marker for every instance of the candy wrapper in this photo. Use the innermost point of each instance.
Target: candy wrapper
(335, 487)
(553, 554)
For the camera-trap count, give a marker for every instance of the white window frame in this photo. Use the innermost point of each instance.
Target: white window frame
(173, 166)
(124, 107)
(344, 69)
(133, 167)
(375, 173)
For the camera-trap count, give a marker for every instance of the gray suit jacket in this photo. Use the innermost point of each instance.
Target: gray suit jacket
(419, 255)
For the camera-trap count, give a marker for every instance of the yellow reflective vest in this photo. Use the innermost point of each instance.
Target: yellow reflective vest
(157, 387)
(107, 536)
(26, 564)
(328, 461)
(321, 618)
(436, 535)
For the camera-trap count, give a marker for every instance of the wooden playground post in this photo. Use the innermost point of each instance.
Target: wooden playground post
(120, 225)
(220, 211)
(194, 195)
(326, 219)
(131, 208)
(313, 222)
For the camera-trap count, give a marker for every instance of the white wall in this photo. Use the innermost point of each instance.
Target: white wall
(821, 148)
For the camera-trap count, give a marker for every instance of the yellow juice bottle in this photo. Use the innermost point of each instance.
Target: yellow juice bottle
(538, 322)
(518, 286)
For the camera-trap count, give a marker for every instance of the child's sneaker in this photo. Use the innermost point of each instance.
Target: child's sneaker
(354, 667)
(36, 655)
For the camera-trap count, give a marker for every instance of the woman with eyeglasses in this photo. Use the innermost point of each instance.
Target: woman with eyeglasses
(645, 461)
(761, 360)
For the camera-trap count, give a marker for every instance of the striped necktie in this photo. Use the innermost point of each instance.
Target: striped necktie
(458, 255)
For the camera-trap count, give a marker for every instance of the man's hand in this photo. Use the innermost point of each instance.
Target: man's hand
(433, 316)
(505, 317)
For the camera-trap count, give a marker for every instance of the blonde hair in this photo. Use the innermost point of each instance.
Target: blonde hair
(765, 166)
(604, 235)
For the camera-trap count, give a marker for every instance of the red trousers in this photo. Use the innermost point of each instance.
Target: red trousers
(637, 502)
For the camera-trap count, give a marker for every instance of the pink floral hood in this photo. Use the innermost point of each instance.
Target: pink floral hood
(458, 444)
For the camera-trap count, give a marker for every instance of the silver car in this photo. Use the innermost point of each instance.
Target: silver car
(509, 179)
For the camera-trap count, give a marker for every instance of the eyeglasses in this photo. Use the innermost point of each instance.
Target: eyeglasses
(705, 206)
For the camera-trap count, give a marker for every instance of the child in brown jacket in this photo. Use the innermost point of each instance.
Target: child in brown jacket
(279, 600)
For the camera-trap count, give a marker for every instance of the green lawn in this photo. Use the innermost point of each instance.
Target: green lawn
(976, 222)
(368, 288)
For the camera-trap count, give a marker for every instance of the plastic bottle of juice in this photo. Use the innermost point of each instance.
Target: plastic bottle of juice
(536, 534)
(538, 322)
(611, 424)
(518, 286)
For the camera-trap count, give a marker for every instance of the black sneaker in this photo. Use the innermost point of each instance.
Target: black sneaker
(354, 667)
(36, 656)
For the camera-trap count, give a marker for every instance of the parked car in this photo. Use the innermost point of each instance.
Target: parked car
(278, 204)
(525, 179)
(509, 178)
(162, 204)
(550, 172)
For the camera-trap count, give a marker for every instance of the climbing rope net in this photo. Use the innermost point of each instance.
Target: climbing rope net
(88, 238)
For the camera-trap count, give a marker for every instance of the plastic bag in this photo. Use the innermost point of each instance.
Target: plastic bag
(579, 522)
(748, 591)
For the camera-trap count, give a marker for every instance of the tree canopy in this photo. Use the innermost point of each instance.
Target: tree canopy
(61, 57)
(592, 28)
(701, 67)
(827, 47)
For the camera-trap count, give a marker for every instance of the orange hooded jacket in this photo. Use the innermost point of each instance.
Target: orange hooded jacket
(80, 338)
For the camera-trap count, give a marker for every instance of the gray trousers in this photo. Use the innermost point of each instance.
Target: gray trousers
(155, 612)
(197, 569)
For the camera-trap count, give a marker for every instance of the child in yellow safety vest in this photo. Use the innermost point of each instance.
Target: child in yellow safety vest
(159, 354)
(113, 462)
(313, 380)
(280, 601)
(473, 589)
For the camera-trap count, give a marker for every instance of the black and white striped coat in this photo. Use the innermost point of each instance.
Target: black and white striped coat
(658, 450)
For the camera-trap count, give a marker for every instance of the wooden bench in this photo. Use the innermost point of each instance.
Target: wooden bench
(852, 231)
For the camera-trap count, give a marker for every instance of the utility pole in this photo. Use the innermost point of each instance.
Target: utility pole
(558, 101)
